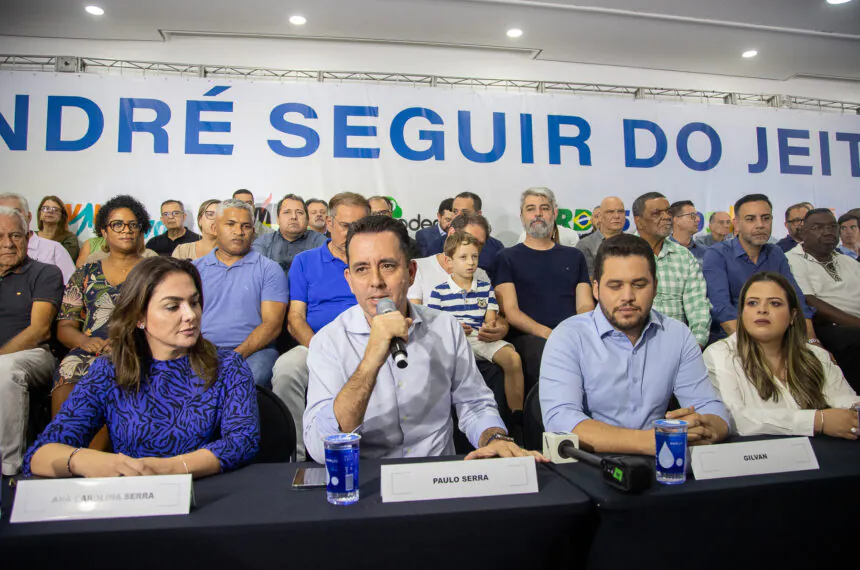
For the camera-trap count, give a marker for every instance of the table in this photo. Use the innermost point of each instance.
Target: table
(786, 520)
(251, 518)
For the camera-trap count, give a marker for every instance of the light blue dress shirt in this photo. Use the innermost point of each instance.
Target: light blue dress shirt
(590, 370)
(409, 412)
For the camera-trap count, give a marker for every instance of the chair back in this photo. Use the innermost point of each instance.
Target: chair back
(533, 421)
(277, 429)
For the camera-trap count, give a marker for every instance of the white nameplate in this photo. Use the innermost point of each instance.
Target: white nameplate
(458, 479)
(753, 458)
(102, 498)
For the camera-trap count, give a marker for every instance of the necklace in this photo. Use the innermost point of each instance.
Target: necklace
(829, 265)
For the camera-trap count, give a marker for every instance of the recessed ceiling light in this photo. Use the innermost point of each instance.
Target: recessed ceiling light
(750, 53)
(298, 20)
(838, 1)
(515, 33)
(94, 10)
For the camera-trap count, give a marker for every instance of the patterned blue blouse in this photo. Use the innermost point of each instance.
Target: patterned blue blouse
(171, 414)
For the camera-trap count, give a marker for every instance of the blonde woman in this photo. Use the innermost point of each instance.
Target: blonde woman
(206, 223)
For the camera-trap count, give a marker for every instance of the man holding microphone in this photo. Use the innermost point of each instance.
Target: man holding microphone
(355, 386)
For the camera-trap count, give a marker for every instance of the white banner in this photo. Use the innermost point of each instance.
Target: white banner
(88, 137)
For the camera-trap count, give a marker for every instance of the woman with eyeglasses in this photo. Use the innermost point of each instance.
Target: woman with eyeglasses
(770, 378)
(92, 292)
(53, 224)
(206, 223)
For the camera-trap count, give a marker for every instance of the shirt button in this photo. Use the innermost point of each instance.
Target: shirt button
(400, 384)
(405, 418)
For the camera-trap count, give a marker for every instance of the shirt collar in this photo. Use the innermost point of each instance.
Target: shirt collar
(22, 267)
(356, 323)
(604, 327)
(210, 259)
(739, 250)
(304, 236)
(692, 245)
(456, 288)
(327, 255)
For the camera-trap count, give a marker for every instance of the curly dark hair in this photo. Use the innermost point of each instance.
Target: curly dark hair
(122, 201)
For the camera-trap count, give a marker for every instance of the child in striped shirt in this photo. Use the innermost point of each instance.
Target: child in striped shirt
(473, 303)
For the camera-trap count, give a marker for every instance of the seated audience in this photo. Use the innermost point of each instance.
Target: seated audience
(730, 263)
(427, 236)
(681, 289)
(40, 249)
(794, 225)
(830, 282)
(356, 387)
(685, 223)
(318, 294)
(246, 293)
(92, 294)
(470, 203)
(293, 235)
(261, 215)
(849, 231)
(30, 293)
(173, 217)
(771, 380)
(472, 302)
(103, 251)
(53, 224)
(206, 243)
(384, 206)
(612, 219)
(608, 374)
(720, 226)
(317, 214)
(538, 282)
(172, 402)
(435, 269)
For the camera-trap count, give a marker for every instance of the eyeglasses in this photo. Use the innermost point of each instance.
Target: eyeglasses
(118, 226)
(210, 214)
(50, 210)
(692, 215)
(172, 214)
(794, 221)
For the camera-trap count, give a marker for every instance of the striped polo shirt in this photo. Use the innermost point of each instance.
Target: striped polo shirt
(468, 306)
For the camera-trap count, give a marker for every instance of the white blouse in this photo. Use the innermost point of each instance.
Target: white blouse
(754, 416)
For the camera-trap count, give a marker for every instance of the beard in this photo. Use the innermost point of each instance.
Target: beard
(626, 325)
(539, 229)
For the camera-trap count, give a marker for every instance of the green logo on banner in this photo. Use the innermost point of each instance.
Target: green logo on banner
(579, 220)
(398, 211)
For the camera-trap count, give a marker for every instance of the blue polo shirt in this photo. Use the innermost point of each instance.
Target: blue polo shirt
(232, 295)
(316, 279)
(727, 267)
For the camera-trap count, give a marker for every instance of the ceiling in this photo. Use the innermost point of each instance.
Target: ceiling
(792, 37)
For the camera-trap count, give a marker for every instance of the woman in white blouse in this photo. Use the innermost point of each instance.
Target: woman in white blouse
(770, 378)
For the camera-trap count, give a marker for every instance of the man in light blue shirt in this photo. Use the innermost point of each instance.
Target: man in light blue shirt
(356, 387)
(608, 374)
(246, 294)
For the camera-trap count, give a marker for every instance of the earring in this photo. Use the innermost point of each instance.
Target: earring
(140, 325)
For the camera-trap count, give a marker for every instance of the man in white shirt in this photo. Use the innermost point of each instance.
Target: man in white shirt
(40, 249)
(356, 387)
(830, 282)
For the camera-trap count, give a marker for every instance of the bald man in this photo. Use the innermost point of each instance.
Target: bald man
(612, 218)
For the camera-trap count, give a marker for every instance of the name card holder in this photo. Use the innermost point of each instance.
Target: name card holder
(102, 498)
(753, 458)
(458, 479)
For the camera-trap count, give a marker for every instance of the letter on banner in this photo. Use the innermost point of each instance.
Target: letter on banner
(278, 120)
(630, 158)
(853, 140)
(53, 131)
(556, 141)
(16, 139)
(194, 126)
(683, 146)
(786, 151)
(761, 141)
(464, 129)
(343, 130)
(436, 138)
(155, 127)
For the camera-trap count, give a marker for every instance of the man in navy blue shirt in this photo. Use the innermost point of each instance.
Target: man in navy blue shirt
(470, 203)
(539, 283)
(794, 226)
(319, 294)
(428, 236)
(728, 265)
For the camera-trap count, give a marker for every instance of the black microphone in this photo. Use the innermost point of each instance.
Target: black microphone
(628, 474)
(397, 348)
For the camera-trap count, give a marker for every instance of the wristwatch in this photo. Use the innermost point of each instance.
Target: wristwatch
(499, 436)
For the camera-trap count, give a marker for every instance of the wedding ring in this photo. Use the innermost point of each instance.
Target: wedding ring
(853, 430)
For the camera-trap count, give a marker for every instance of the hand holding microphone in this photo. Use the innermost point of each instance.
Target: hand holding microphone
(389, 330)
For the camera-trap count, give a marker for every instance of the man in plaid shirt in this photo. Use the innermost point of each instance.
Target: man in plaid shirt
(681, 289)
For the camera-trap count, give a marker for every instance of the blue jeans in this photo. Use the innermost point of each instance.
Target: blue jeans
(261, 364)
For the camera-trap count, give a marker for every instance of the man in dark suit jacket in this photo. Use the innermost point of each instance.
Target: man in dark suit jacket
(427, 237)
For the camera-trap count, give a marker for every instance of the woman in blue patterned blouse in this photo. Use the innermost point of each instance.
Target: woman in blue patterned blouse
(172, 402)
